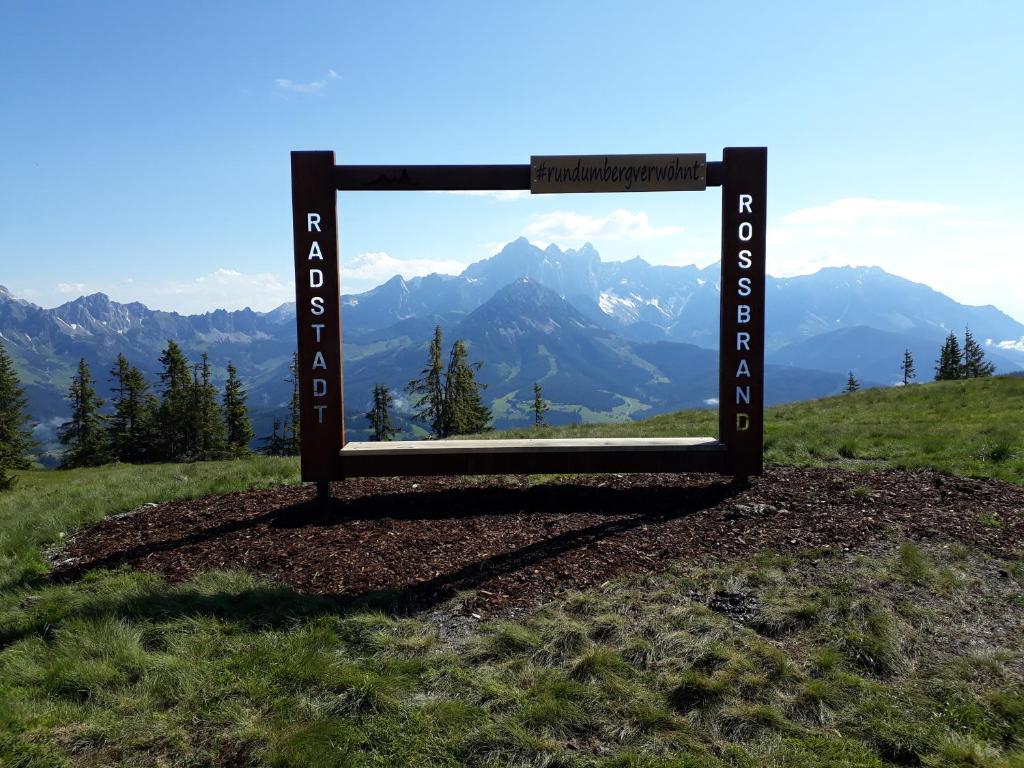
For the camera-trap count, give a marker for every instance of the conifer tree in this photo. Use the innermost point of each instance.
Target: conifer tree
(84, 436)
(463, 410)
(209, 427)
(15, 436)
(236, 414)
(131, 430)
(908, 368)
(275, 444)
(975, 366)
(539, 406)
(175, 415)
(379, 415)
(428, 391)
(294, 408)
(949, 367)
(852, 385)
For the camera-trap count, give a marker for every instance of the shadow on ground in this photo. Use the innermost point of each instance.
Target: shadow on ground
(544, 522)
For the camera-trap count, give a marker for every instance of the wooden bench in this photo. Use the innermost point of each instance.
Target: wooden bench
(533, 456)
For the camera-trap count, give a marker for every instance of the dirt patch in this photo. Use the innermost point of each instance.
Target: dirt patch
(515, 545)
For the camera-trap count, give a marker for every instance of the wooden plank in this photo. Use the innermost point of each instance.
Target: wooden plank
(741, 338)
(553, 174)
(317, 314)
(571, 445)
(491, 457)
(425, 178)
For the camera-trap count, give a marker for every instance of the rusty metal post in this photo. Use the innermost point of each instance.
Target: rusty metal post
(318, 316)
(741, 339)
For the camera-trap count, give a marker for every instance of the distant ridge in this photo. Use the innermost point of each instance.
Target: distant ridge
(608, 340)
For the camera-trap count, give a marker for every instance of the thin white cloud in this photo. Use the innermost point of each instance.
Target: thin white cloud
(687, 258)
(316, 86)
(938, 244)
(620, 224)
(852, 210)
(494, 194)
(221, 289)
(368, 270)
(1017, 345)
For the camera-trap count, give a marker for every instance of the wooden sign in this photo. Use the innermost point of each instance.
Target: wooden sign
(317, 315)
(617, 173)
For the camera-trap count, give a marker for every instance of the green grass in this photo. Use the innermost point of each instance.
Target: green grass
(124, 669)
(973, 428)
(44, 505)
(910, 656)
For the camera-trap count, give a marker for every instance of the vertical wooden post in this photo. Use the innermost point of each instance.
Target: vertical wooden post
(741, 338)
(318, 316)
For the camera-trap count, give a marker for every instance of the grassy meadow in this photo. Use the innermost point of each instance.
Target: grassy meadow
(907, 656)
(971, 427)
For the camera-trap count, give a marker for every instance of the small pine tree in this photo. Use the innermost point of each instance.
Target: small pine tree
(428, 390)
(379, 415)
(539, 406)
(15, 436)
(949, 367)
(238, 428)
(975, 366)
(294, 408)
(208, 424)
(175, 415)
(84, 436)
(852, 385)
(275, 444)
(908, 368)
(463, 411)
(131, 430)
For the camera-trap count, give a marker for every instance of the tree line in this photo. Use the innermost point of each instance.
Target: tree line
(190, 420)
(954, 362)
(447, 400)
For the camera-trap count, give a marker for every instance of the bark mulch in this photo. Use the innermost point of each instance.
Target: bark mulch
(424, 539)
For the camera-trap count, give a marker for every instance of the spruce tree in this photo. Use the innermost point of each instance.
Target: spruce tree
(428, 391)
(539, 406)
(379, 415)
(84, 436)
(949, 367)
(975, 366)
(210, 433)
(15, 435)
(908, 368)
(294, 408)
(236, 414)
(175, 415)
(463, 409)
(852, 385)
(131, 430)
(275, 444)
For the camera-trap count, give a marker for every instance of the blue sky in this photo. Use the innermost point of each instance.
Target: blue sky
(146, 145)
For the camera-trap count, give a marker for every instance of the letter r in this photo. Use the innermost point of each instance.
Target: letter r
(312, 222)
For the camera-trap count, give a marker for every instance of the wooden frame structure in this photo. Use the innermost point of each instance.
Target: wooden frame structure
(738, 450)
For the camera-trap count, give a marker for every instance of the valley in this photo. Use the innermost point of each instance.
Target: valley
(607, 341)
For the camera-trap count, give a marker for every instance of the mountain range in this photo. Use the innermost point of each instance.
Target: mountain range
(606, 340)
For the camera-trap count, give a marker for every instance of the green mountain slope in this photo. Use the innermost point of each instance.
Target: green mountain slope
(965, 427)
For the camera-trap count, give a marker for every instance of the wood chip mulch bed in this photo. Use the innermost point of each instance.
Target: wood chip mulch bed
(517, 545)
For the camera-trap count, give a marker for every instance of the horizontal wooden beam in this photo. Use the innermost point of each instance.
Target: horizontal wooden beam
(431, 177)
(495, 457)
(449, 178)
